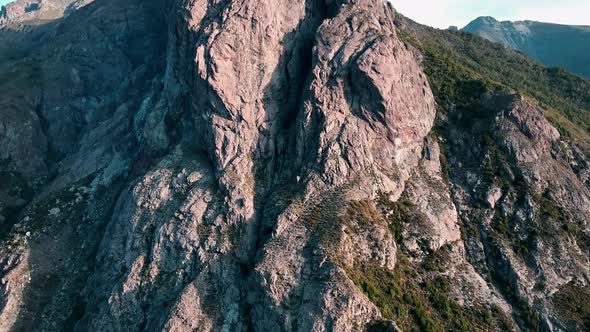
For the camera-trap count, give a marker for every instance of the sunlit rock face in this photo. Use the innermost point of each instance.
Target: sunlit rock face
(195, 167)
(236, 165)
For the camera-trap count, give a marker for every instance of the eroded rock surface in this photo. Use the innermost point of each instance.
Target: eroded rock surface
(525, 199)
(214, 200)
(229, 165)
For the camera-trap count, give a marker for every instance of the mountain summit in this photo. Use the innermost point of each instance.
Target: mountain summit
(286, 165)
(554, 45)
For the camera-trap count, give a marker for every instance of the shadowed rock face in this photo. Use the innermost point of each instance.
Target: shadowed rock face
(217, 166)
(554, 45)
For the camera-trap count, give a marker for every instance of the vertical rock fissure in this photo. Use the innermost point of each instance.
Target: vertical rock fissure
(277, 170)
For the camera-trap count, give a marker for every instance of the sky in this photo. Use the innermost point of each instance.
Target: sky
(444, 13)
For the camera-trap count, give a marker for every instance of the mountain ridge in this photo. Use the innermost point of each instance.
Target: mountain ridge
(555, 45)
(491, 19)
(309, 165)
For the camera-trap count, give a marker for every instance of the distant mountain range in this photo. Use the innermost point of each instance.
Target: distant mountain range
(554, 45)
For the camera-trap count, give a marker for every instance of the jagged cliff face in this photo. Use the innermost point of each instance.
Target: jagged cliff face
(523, 194)
(199, 190)
(234, 165)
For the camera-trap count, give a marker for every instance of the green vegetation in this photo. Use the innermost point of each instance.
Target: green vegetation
(437, 261)
(397, 213)
(462, 69)
(461, 66)
(503, 231)
(549, 209)
(497, 167)
(422, 306)
(553, 219)
(573, 305)
(444, 163)
(71, 203)
(415, 297)
(501, 226)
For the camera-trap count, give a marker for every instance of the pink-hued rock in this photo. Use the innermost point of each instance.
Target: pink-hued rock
(224, 165)
(260, 121)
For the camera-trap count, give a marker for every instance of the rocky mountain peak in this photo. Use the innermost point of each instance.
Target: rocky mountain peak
(485, 20)
(262, 165)
(243, 146)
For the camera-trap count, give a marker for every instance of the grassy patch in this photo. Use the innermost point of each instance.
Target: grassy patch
(323, 218)
(364, 212)
(572, 303)
(417, 305)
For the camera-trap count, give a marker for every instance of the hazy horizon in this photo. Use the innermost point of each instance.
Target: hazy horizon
(444, 13)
